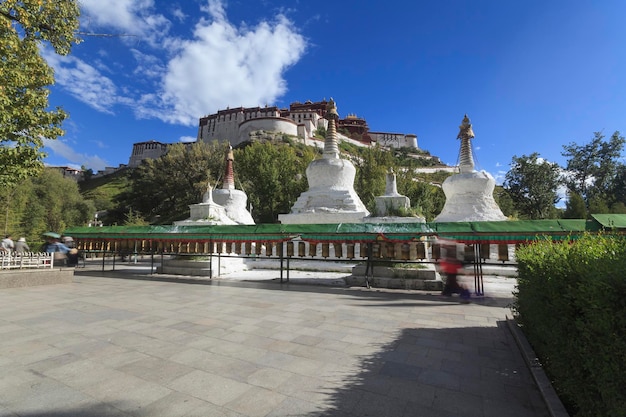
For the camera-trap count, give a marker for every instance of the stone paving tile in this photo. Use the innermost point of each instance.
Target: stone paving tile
(155, 370)
(269, 378)
(209, 387)
(175, 404)
(124, 347)
(256, 402)
(459, 403)
(295, 407)
(212, 410)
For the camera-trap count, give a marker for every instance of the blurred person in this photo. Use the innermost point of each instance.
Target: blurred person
(7, 243)
(21, 246)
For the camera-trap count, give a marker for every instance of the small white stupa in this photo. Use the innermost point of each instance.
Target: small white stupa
(206, 213)
(391, 204)
(331, 197)
(392, 201)
(469, 194)
(234, 201)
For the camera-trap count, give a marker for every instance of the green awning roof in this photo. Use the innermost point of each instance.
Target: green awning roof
(485, 232)
(610, 221)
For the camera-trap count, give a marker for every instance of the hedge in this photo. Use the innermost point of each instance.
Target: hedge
(571, 304)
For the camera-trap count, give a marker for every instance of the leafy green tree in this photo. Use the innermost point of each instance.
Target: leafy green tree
(575, 207)
(273, 176)
(618, 208)
(426, 195)
(25, 25)
(504, 201)
(532, 185)
(371, 166)
(593, 168)
(162, 189)
(618, 188)
(598, 205)
(47, 202)
(134, 219)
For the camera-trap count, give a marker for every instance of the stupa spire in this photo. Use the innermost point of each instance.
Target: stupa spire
(466, 134)
(207, 197)
(331, 150)
(229, 176)
(391, 189)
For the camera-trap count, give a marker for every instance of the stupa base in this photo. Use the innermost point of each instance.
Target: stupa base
(323, 217)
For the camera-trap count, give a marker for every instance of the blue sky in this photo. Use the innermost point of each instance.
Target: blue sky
(532, 75)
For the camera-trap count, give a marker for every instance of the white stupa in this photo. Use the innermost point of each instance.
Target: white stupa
(469, 194)
(331, 197)
(392, 203)
(206, 213)
(234, 201)
(220, 206)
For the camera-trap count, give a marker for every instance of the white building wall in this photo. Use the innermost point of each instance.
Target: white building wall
(272, 124)
(394, 140)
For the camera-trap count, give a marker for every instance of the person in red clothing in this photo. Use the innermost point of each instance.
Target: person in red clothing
(451, 266)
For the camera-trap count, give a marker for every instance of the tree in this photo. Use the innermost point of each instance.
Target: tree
(371, 166)
(273, 175)
(532, 184)
(424, 192)
(592, 168)
(24, 75)
(504, 201)
(575, 207)
(162, 189)
(46, 202)
(618, 188)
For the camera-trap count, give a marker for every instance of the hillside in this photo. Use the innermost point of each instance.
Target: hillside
(104, 190)
(422, 187)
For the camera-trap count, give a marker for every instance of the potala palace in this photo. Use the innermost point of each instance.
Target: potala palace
(301, 120)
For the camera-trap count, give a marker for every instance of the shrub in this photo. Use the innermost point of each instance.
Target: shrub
(571, 304)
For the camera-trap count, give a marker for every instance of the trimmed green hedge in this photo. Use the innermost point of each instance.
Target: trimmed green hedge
(571, 304)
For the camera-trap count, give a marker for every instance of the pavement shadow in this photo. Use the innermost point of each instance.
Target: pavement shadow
(474, 371)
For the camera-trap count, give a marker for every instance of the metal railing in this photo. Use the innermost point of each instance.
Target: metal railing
(26, 260)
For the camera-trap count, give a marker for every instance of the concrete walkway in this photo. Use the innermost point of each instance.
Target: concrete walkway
(123, 343)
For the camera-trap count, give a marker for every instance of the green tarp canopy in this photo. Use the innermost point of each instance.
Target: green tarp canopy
(469, 232)
(611, 221)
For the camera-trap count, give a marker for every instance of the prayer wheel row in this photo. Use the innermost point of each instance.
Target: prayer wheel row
(379, 250)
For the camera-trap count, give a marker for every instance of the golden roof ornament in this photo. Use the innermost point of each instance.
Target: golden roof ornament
(465, 129)
(331, 110)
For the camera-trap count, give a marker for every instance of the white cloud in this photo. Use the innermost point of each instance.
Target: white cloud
(499, 177)
(126, 17)
(221, 66)
(148, 65)
(186, 139)
(178, 14)
(62, 149)
(225, 66)
(83, 81)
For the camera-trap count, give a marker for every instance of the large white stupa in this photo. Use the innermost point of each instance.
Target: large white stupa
(469, 194)
(220, 206)
(234, 201)
(331, 197)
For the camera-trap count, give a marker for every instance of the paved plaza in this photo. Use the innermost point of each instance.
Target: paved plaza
(126, 344)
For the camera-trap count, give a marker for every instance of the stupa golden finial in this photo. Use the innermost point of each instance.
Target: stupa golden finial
(331, 110)
(465, 131)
